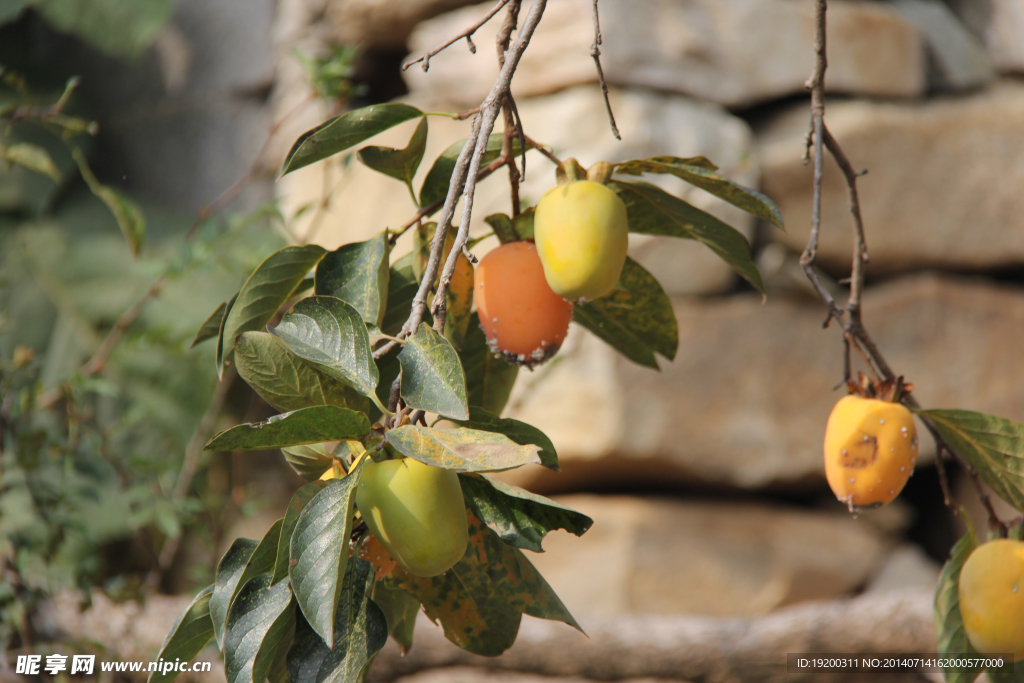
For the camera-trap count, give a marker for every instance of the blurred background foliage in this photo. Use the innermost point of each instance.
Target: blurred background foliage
(89, 461)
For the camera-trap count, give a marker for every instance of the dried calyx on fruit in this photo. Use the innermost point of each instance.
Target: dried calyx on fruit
(871, 444)
(582, 233)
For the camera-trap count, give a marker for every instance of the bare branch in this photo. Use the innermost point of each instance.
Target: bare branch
(595, 52)
(467, 34)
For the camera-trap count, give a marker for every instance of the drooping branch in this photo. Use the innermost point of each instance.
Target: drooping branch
(467, 35)
(855, 335)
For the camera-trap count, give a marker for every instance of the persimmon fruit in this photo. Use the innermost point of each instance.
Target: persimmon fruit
(416, 512)
(991, 592)
(870, 450)
(582, 236)
(522, 318)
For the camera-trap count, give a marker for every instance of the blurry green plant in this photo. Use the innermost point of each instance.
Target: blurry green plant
(89, 454)
(331, 75)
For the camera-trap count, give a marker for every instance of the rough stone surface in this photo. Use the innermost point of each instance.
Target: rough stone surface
(381, 24)
(469, 674)
(1004, 34)
(907, 567)
(663, 556)
(746, 400)
(942, 188)
(734, 52)
(575, 121)
(958, 59)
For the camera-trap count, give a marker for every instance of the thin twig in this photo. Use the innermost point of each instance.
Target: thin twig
(508, 108)
(467, 34)
(855, 335)
(595, 52)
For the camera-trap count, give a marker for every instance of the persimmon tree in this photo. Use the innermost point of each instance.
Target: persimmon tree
(372, 358)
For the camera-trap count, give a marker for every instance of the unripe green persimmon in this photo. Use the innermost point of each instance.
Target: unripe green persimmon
(991, 594)
(416, 512)
(582, 237)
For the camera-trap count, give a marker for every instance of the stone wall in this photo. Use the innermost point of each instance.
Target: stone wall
(721, 506)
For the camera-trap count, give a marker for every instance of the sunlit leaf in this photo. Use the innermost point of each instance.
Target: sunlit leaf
(358, 274)
(296, 505)
(286, 381)
(360, 630)
(400, 164)
(345, 131)
(319, 552)
(652, 211)
(439, 177)
(271, 285)
(211, 326)
(489, 378)
(699, 172)
(520, 518)
(315, 424)
(189, 634)
(432, 377)
(258, 618)
(229, 571)
(520, 432)
(994, 446)
(329, 333)
(466, 450)
(309, 461)
(636, 318)
(262, 560)
(949, 625)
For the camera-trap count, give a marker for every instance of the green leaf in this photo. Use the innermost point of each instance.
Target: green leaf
(652, 211)
(286, 381)
(329, 333)
(522, 519)
(402, 287)
(120, 29)
(520, 432)
(223, 352)
(319, 552)
(127, 213)
(271, 285)
(439, 177)
(400, 609)
(994, 446)
(258, 619)
(279, 666)
(229, 571)
(636, 318)
(400, 164)
(489, 378)
(315, 424)
(389, 369)
(32, 157)
(296, 505)
(432, 378)
(343, 132)
(190, 634)
(358, 274)
(210, 328)
(700, 172)
(949, 625)
(466, 450)
(360, 631)
(479, 601)
(309, 461)
(262, 560)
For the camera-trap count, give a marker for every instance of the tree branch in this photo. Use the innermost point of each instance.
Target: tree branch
(467, 34)
(595, 52)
